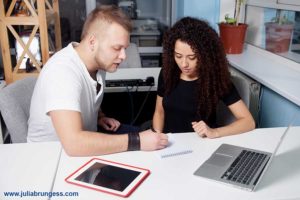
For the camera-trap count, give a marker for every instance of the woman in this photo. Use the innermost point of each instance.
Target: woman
(193, 79)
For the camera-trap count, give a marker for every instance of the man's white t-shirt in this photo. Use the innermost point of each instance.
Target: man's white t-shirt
(64, 84)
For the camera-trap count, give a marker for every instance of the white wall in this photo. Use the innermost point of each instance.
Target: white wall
(226, 6)
(203, 9)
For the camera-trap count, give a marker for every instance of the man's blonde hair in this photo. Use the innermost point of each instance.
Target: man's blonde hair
(108, 14)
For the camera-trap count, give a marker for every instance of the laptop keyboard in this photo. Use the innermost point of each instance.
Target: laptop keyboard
(244, 167)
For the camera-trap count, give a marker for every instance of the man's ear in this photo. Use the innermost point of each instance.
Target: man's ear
(92, 40)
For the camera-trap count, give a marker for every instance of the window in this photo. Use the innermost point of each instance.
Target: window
(275, 28)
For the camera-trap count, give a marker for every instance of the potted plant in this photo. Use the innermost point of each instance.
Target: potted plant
(278, 33)
(232, 33)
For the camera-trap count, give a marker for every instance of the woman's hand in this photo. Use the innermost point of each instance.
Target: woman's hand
(203, 130)
(109, 124)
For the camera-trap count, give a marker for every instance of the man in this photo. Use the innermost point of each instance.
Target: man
(69, 91)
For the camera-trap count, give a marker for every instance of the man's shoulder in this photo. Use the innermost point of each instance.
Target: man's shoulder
(64, 54)
(66, 58)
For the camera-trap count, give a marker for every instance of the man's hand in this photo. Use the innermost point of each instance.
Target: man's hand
(152, 141)
(203, 130)
(109, 124)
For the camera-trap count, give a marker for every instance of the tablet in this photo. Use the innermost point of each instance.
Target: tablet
(108, 176)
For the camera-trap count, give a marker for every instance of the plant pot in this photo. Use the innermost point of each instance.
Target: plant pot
(233, 37)
(278, 37)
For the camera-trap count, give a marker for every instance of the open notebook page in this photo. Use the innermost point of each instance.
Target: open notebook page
(174, 148)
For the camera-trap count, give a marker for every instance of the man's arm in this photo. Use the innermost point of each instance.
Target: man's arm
(77, 142)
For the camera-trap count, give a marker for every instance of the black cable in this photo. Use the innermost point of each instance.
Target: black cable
(142, 106)
(131, 105)
(137, 88)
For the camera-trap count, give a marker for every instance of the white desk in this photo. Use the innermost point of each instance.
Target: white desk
(28, 167)
(172, 178)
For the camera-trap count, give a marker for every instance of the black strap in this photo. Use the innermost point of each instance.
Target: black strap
(134, 143)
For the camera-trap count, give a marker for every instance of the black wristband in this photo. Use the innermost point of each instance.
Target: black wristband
(134, 143)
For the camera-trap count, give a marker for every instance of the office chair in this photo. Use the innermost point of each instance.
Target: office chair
(133, 59)
(249, 90)
(14, 107)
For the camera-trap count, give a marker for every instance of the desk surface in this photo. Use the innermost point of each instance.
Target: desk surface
(172, 178)
(28, 167)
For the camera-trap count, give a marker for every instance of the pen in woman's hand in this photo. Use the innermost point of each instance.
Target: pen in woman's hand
(153, 130)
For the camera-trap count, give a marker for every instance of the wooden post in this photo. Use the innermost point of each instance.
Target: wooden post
(43, 30)
(38, 19)
(57, 25)
(5, 49)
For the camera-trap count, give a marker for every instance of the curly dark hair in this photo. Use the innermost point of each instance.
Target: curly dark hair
(214, 77)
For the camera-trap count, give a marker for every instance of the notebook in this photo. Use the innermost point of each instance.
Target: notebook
(174, 148)
(238, 166)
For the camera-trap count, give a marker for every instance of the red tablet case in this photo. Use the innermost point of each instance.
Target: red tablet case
(125, 195)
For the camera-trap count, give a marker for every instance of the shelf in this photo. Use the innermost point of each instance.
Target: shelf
(278, 74)
(41, 14)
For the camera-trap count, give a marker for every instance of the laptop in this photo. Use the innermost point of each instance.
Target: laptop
(238, 166)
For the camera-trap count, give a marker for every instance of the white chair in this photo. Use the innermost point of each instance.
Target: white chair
(249, 90)
(15, 102)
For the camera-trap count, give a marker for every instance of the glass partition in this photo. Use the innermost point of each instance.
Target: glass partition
(275, 30)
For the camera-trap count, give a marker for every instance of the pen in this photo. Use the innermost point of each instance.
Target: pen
(152, 129)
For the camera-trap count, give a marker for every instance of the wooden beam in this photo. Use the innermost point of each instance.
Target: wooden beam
(57, 26)
(22, 20)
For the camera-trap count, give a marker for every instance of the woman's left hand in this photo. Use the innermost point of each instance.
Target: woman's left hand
(203, 130)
